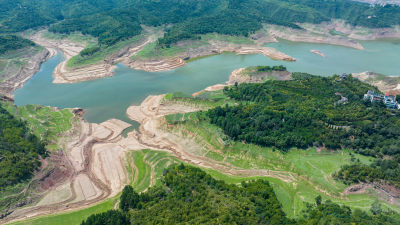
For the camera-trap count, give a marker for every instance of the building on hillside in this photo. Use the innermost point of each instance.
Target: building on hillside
(390, 101)
(387, 99)
(372, 96)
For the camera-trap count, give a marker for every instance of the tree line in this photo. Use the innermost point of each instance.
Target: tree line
(117, 20)
(303, 112)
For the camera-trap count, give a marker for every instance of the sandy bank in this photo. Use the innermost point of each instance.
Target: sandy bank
(386, 84)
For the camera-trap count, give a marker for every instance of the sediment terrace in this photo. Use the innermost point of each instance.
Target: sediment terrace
(156, 65)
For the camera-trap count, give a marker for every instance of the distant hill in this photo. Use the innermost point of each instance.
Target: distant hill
(380, 2)
(115, 20)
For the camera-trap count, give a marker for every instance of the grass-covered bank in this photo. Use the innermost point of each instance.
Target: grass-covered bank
(71, 218)
(45, 122)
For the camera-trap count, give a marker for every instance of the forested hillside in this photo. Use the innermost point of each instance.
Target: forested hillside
(327, 112)
(12, 42)
(19, 150)
(116, 20)
(190, 196)
(308, 111)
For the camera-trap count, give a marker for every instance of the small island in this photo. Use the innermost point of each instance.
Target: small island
(318, 53)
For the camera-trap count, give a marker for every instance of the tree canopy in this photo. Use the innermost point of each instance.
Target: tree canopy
(19, 150)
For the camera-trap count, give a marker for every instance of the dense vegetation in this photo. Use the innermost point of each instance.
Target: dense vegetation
(116, 20)
(308, 111)
(12, 42)
(19, 150)
(190, 196)
(268, 68)
(332, 213)
(317, 111)
(384, 171)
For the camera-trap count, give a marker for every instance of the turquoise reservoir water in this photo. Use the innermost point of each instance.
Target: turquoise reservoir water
(109, 97)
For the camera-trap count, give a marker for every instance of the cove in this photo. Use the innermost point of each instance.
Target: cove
(109, 97)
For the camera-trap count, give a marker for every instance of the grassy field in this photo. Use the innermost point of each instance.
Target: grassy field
(46, 123)
(71, 218)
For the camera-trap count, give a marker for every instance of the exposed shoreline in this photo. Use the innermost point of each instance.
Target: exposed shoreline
(312, 33)
(26, 72)
(63, 74)
(97, 152)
